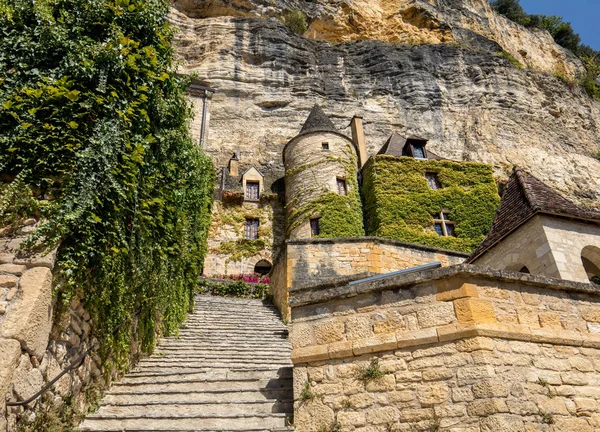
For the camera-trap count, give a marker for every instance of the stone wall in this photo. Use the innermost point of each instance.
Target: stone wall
(546, 245)
(456, 349)
(38, 339)
(312, 172)
(314, 261)
(227, 231)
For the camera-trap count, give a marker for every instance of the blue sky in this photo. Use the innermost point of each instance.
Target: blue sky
(582, 14)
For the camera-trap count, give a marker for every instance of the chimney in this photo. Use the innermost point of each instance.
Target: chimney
(234, 165)
(358, 136)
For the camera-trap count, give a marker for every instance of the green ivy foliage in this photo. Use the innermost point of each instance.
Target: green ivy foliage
(340, 215)
(94, 117)
(399, 203)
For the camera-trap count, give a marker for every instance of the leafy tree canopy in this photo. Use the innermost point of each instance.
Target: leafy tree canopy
(563, 34)
(94, 119)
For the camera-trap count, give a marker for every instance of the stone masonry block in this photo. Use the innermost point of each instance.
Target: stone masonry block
(309, 354)
(437, 315)
(384, 342)
(30, 319)
(471, 310)
(449, 292)
(10, 351)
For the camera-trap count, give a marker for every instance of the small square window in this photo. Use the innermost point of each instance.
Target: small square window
(418, 151)
(325, 146)
(433, 180)
(252, 190)
(315, 229)
(442, 224)
(251, 229)
(342, 187)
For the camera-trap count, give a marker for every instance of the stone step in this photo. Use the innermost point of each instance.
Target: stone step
(200, 385)
(177, 397)
(191, 421)
(206, 352)
(228, 370)
(223, 374)
(198, 361)
(208, 408)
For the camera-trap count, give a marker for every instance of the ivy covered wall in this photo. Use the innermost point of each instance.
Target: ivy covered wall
(94, 123)
(311, 188)
(399, 203)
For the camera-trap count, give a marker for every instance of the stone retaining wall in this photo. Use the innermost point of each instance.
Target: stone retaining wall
(38, 339)
(459, 349)
(314, 261)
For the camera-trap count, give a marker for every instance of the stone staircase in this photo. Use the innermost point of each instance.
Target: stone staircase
(229, 370)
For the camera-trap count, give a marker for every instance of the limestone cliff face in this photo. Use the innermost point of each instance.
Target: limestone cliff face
(425, 68)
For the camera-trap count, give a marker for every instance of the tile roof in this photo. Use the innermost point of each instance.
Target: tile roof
(524, 197)
(317, 121)
(396, 146)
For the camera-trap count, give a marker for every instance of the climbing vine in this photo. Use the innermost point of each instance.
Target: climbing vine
(94, 124)
(340, 215)
(400, 204)
(231, 218)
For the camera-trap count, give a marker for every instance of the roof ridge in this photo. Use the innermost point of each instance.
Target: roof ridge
(520, 174)
(317, 121)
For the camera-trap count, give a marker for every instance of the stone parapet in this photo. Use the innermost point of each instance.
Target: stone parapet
(459, 348)
(309, 262)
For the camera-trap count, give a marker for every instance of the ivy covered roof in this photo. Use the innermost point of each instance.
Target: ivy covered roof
(526, 196)
(317, 121)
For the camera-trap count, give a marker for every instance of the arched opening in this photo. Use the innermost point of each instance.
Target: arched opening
(524, 269)
(263, 267)
(590, 258)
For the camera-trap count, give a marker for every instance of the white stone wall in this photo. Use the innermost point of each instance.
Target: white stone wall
(546, 245)
(567, 239)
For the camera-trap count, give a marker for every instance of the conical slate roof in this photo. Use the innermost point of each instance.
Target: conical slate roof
(317, 121)
(524, 197)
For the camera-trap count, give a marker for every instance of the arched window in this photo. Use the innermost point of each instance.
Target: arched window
(590, 258)
(263, 267)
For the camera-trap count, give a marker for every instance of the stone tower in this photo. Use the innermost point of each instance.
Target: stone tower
(321, 168)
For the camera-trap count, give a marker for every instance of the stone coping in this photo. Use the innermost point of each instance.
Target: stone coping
(377, 240)
(447, 333)
(300, 296)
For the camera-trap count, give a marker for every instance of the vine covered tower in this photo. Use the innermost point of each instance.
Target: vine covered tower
(321, 184)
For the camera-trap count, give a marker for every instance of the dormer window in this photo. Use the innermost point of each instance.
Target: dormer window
(433, 180)
(341, 186)
(325, 146)
(252, 190)
(418, 148)
(442, 224)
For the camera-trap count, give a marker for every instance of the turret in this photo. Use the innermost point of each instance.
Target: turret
(322, 196)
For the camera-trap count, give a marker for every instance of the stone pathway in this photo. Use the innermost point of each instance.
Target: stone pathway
(229, 370)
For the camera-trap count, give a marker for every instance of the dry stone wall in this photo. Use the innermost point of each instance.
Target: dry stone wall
(39, 338)
(455, 349)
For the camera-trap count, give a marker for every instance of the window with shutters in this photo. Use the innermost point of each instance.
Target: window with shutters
(252, 190)
(342, 187)
(442, 224)
(251, 229)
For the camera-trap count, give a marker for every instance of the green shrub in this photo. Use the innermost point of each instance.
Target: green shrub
(595, 279)
(513, 61)
(232, 289)
(307, 393)
(371, 372)
(93, 113)
(295, 20)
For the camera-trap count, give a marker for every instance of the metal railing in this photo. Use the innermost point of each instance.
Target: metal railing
(72, 366)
